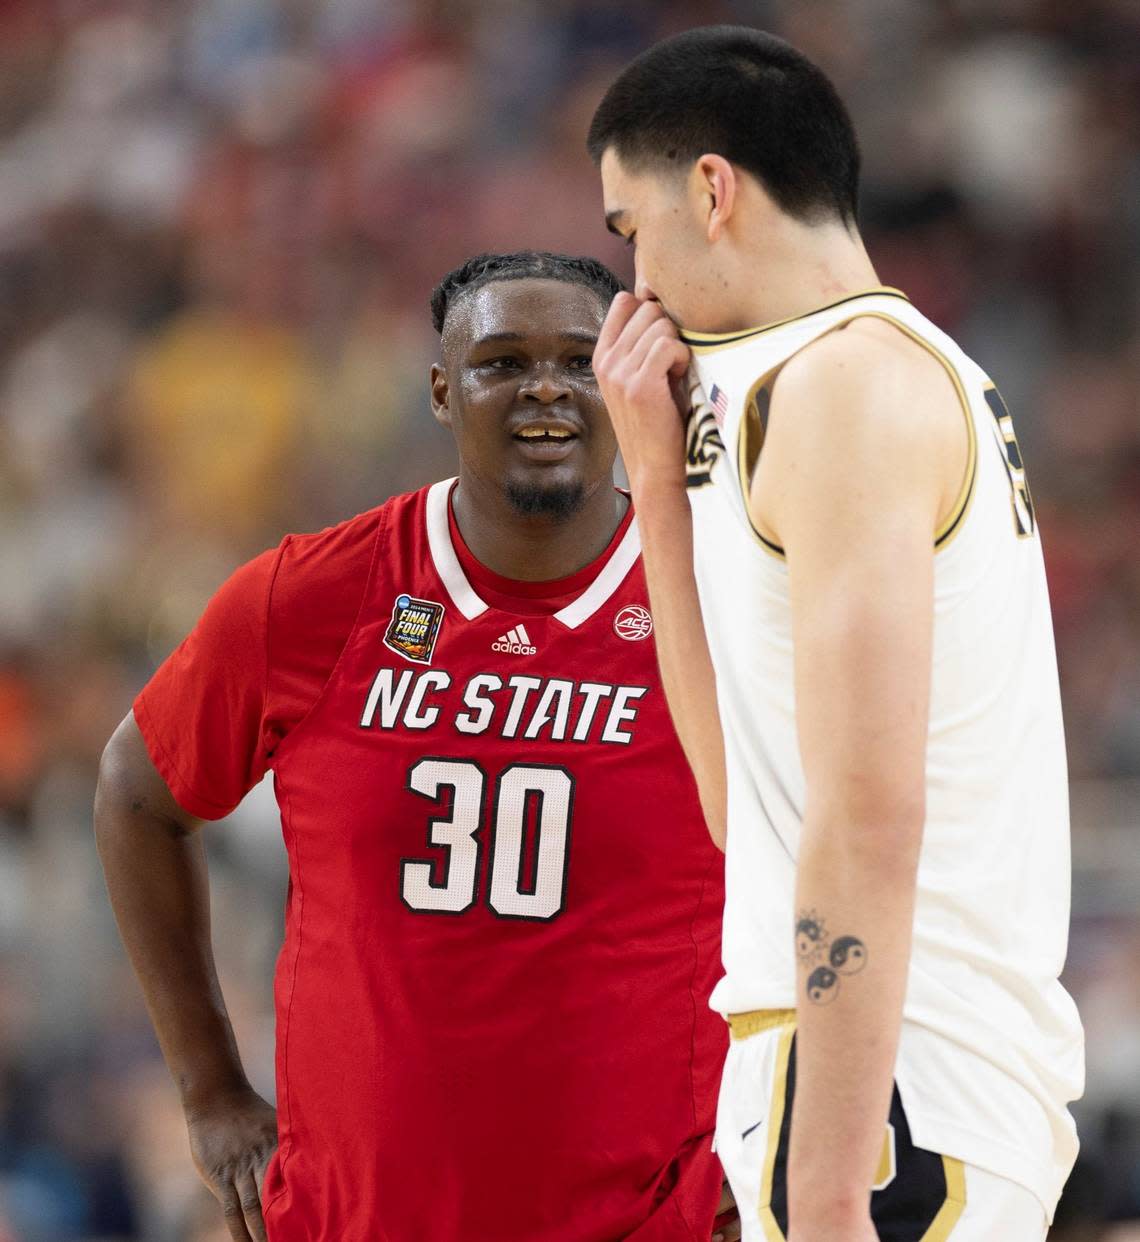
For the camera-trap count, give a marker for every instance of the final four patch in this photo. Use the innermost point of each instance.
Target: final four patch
(414, 628)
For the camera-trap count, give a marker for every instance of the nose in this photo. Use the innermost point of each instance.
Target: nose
(546, 385)
(641, 287)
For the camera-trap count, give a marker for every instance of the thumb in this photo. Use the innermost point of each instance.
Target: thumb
(679, 387)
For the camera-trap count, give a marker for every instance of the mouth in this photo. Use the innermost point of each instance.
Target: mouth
(546, 439)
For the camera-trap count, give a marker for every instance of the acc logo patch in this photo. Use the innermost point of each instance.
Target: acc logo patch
(414, 628)
(633, 623)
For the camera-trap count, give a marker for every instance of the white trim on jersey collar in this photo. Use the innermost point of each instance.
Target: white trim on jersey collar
(463, 594)
(443, 553)
(606, 583)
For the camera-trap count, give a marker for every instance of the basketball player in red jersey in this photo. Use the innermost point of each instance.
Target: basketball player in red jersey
(502, 920)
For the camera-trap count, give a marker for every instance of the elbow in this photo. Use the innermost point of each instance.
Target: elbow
(883, 825)
(108, 787)
(117, 788)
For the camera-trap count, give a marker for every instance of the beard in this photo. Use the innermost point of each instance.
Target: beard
(557, 501)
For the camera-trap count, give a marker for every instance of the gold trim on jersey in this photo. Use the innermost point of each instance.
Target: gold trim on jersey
(710, 342)
(751, 433)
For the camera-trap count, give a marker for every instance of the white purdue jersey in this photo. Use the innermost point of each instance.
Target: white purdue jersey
(991, 1049)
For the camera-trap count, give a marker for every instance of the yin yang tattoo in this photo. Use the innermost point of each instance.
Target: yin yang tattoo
(822, 985)
(811, 935)
(847, 955)
(826, 960)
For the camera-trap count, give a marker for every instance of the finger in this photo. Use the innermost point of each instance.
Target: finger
(622, 310)
(660, 329)
(251, 1206)
(261, 1165)
(233, 1213)
(616, 351)
(726, 1199)
(666, 357)
(259, 1172)
(647, 315)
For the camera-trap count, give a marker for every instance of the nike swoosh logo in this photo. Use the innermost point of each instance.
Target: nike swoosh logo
(751, 1128)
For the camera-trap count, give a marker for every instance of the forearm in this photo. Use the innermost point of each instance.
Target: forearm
(855, 896)
(682, 649)
(156, 877)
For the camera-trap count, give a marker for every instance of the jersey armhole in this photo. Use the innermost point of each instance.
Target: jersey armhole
(749, 441)
(754, 426)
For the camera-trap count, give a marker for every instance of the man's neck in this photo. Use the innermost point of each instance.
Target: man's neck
(799, 271)
(534, 548)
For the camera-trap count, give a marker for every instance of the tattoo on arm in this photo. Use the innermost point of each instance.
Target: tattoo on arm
(824, 958)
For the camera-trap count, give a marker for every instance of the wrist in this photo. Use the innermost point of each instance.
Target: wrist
(833, 1211)
(206, 1094)
(659, 491)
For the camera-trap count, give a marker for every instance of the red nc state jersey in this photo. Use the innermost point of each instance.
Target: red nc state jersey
(502, 926)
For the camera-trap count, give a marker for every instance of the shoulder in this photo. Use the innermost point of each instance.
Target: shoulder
(865, 419)
(868, 379)
(324, 574)
(319, 559)
(339, 557)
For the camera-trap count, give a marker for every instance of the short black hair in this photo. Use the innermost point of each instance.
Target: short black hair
(521, 265)
(743, 94)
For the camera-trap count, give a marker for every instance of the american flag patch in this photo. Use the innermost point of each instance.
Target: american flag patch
(719, 404)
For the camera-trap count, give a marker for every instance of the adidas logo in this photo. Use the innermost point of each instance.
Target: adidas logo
(515, 642)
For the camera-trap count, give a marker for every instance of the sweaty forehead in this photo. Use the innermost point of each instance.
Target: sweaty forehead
(531, 308)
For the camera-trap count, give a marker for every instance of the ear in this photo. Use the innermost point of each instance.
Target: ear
(716, 184)
(440, 395)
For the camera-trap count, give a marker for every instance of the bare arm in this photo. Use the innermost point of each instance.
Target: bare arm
(155, 870)
(853, 486)
(682, 650)
(639, 362)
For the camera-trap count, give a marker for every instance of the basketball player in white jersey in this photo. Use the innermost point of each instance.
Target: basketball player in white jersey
(845, 516)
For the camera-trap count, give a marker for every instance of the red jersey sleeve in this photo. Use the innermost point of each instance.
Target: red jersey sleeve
(201, 714)
(254, 665)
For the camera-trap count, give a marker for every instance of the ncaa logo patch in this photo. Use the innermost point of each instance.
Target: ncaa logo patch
(414, 628)
(633, 623)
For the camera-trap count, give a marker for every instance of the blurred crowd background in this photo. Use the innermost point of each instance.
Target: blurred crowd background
(220, 221)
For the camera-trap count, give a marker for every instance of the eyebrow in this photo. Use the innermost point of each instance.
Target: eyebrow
(499, 338)
(612, 219)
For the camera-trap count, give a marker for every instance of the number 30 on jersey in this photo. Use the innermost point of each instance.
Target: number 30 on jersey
(522, 791)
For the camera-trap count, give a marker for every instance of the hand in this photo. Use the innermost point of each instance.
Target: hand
(231, 1140)
(727, 1227)
(641, 364)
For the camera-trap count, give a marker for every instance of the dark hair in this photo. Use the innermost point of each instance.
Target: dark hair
(743, 94)
(521, 265)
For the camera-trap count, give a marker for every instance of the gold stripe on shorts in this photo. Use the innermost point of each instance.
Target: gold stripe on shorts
(745, 1025)
(942, 1226)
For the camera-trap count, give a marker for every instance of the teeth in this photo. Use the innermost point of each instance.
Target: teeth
(537, 433)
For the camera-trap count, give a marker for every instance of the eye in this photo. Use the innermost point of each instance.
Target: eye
(581, 362)
(500, 364)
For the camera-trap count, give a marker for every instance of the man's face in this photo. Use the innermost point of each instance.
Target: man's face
(659, 213)
(518, 390)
